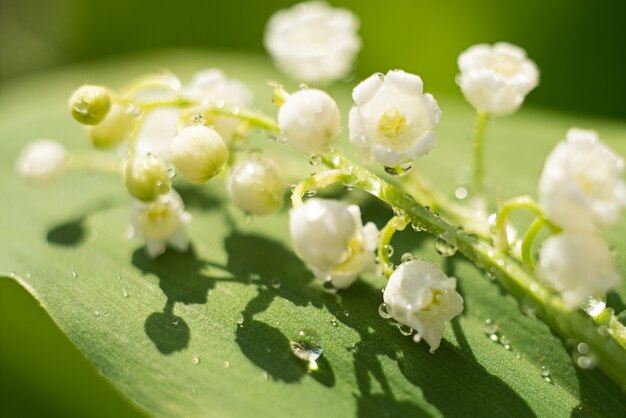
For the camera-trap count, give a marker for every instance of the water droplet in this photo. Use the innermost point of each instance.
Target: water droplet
(444, 248)
(406, 257)
(334, 323)
(405, 330)
(349, 186)
(195, 359)
(303, 86)
(310, 193)
(125, 293)
(175, 320)
(460, 193)
(226, 364)
(504, 341)
(382, 311)
(417, 227)
(264, 376)
(329, 287)
(582, 348)
(346, 313)
(585, 362)
(198, 119)
(490, 328)
(240, 321)
(417, 338)
(73, 274)
(351, 347)
(248, 218)
(388, 249)
(97, 314)
(276, 283)
(118, 277)
(527, 307)
(400, 169)
(315, 160)
(545, 373)
(307, 345)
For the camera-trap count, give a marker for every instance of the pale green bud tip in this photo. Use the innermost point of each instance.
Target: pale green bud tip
(90, 104)
(147, 177)
(199, 153)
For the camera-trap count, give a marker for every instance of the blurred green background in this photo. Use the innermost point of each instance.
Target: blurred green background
(579, 46)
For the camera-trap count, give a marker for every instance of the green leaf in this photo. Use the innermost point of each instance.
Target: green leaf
(167, 332)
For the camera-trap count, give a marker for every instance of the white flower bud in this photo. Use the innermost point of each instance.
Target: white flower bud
(42, 161)
(199, 153)
(161, 222)
(578, 265)
(313, 42)
(496, 79)
(90, 104)
(329, 236)
(213, 87)
(116, 128)
(310, 121)
(156, 132)
(147, 176)
(392, 120)
(257, 186)
(581, 185)
(420, 296)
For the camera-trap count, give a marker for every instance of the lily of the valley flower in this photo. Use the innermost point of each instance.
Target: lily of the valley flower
(147, 176)
(257, 186)
(496, 79)
(313, 42)
(161, 223)
(310, 121)
(90, 104)
(420, 296)
(579, 265)
(211, 86)
(392, 120)
(330, 237)
(42, 161)
(581, 186)
(199, 153)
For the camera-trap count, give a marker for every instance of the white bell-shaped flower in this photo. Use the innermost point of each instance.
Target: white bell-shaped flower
(257, 186)
(157, 130)
(42, 161)
(496, 79)
(422, 297)
(199, 153)
(329, 236)
(211, 86)
(579, 265)
(161, 223)
(313, 42)
(392, 120)
(310, 120)
(581, 185)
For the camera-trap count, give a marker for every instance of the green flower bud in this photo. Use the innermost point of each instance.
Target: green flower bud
(114, 129)
(90, 104)
(199, 153)
(147, 177)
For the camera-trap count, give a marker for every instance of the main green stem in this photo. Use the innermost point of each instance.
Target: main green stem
(604, 334)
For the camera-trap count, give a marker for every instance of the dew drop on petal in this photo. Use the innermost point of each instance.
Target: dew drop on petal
(405, 330)
(382, 311)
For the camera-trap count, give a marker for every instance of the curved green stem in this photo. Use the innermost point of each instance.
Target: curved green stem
(386, 234)
(520, 202)
(609, 347)
(478, 145)
(527, 242)
(316, 182)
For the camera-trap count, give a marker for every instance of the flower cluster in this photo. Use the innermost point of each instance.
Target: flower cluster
(580, 190)
(199, 131)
